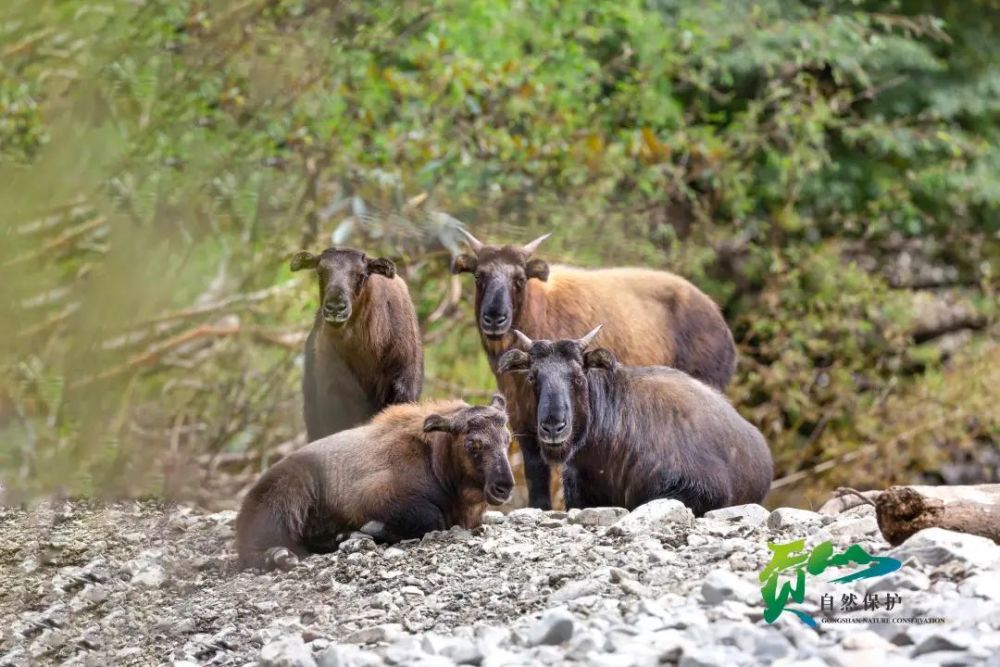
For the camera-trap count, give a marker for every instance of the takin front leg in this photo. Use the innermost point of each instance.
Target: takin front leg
(576, 491)
(571, 488)
(411, 522)
(537, 473)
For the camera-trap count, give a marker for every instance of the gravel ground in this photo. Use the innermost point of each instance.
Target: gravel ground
(147, 584)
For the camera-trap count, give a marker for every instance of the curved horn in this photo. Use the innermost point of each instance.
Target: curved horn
(586, 340)
(523, 340)
(530, 248)
(474, 243)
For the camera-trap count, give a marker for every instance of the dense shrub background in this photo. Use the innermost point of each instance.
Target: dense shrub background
(828, 171)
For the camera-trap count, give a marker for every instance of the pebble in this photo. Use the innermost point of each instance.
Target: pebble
(375, 634)
(554, 627)
(750, 515)
(598, 516)
(785, 518)
(543, 588)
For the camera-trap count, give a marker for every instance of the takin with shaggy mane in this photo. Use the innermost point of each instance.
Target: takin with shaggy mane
(627, 435)
(414, 468)
(364, 351)
(656, 318)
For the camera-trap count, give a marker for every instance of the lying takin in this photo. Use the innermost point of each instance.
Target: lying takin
(414, 468)
(627, 435)
(364, 351)
(655, 318)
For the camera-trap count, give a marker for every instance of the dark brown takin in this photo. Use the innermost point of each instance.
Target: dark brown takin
(364, 350)
(654, 318)
(627, 435)
(414, 468)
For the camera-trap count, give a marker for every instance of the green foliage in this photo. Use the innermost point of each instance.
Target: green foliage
(165, 156)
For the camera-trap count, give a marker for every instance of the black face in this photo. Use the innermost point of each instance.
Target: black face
(342, 274)
(480, 433)
(559, 373)
(501, 277)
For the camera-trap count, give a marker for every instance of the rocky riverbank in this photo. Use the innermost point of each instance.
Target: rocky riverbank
(147, 584)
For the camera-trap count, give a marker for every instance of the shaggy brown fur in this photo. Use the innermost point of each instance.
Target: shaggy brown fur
(632, 434)
(364, 351)
(414, 468)
(652, 318)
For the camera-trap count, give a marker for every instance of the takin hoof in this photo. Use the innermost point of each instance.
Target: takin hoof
(280, 558)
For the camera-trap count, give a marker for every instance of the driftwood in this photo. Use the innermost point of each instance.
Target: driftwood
(904, 510)
(901, 511)
(844, 499)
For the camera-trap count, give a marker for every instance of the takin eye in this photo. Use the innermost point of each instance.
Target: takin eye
(520, 282)
(474, 447)
(480, 278)
(578, 379)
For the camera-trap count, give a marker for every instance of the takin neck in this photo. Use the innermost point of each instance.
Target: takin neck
(359, 341)
(601, 452)
(464, 500)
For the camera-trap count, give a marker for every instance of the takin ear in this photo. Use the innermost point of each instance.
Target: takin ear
(383, 267)
(513, 360)
(601, 358)
(498, 402)
(437, 423)
(537, 268)
(464, 264)
(303, 260)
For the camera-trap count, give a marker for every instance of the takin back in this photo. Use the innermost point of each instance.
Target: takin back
(627, 435)
(364, 350)
(414, 468)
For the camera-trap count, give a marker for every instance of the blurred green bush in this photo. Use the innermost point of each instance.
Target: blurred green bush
(828, 171)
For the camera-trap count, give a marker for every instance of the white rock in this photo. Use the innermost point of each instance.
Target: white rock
(554, 627)
(598, 516)
(655, 515)
(784, 518)
(493, 518)
(373, 635)
(983, 585)
(151, 576)
(576, 589)
(347, 656)
(855, 529)
(936, 546)
(720, 585)
(287, 651)
(526, 516)
(751, 514)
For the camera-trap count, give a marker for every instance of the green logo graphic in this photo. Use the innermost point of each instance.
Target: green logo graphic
(789, 556)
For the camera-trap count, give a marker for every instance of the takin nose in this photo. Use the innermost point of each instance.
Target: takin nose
(501, 489)
(336, 309)
(553, 428)
(495, 321)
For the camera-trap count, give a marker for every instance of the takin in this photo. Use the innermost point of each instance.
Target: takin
(414, 468)
(364, 350)
(656, 318)
(627, 435)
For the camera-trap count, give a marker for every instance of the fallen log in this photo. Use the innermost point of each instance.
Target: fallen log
(844, 499)
(902, 511)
